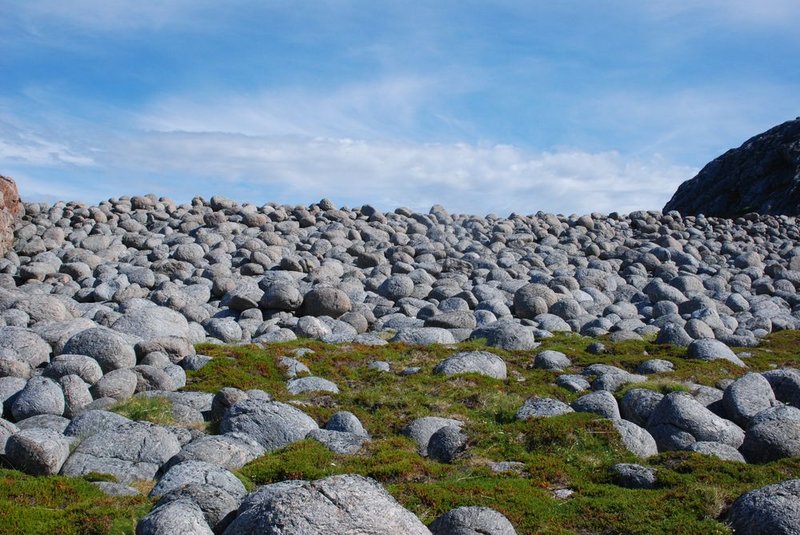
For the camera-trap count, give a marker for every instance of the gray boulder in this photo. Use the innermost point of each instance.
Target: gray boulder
(6, 430)
(573, 383)
(311, 384)
(773, 434)
(129, 451)
(108, 348)
(678, 421)
(770, 510)
(325, 301)
(785, 384)
(551, 360)
(346, 422)
(638, 404)
(93, 421)
(424, 336)
(271, 423)
(337, 504)
(117, 384)
(709, 349)
(40, 396)
(634, 476)
(202, 473)
(536, 407)
(83, 366)
(636, 439)
(506, 334)
(152, 321)
(230, 451)
(655, 366)
(26, 344)
(422, 429)
(447, 443)
(218, 506)
(178, 517)
(481, 362)
(37, 451)
(472, 520)
(718, 450)
(602, 402)
(746, 397)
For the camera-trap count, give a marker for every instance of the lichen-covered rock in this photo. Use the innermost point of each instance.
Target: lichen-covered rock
(271, 423)
(481, 362)
(37, 451)
(472, 520)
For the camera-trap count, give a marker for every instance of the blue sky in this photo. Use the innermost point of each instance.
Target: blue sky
(484, 107)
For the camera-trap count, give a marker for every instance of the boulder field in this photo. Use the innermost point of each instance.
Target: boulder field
(101, 304)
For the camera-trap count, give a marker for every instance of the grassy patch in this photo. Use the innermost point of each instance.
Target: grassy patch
(149, 409)
(574, 451)
(63, 505)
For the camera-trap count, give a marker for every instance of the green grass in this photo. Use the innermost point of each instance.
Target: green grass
(63, 505)
(573, 451)
(149, 409)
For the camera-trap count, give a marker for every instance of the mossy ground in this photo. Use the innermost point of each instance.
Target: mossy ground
(574, 451)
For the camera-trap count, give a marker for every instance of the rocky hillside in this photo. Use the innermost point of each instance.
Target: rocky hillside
(763, 176)
(226, 367)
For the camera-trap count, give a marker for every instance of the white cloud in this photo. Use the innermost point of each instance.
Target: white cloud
(464, 178)
(18, 145)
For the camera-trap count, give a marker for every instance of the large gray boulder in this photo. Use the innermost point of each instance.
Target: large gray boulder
(26, 345)
(481, 362)
(424, 336)
(178, 517)
(326, 301)
(536, 407)
(40, 396)
(129, 451)
(447, 443)
(551, 360)
(202, 473)
(83, 366)
(230, 451)
(37, 451)
(746, 397)
(638, 404)
(153, 321)
(679, 420)
(218, 506)
(601, 402)
(422, 429)
(710, 349)
(6, 430)
(472, 520)
(337, 504)
(770, 510)
(108, 348)
(636, 439)
(271, 423)
(773, 434)
(506, 334)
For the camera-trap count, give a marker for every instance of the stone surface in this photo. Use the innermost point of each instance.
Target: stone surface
(337, 504)
(480, 362)
(37, 451)
(678, 421)
(272, 424)
(542, 407)
(472, 520)
(634, 476)
(773, 510)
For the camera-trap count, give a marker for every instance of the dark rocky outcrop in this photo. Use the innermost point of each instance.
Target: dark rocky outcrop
(763, 175)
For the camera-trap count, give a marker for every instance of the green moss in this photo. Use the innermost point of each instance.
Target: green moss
(573, 451)
(64, 505)
(155, 410)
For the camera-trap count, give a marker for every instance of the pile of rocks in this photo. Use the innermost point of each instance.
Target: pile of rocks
(102, 303)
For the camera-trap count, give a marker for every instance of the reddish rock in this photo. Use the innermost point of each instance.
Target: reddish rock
(10, 210)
